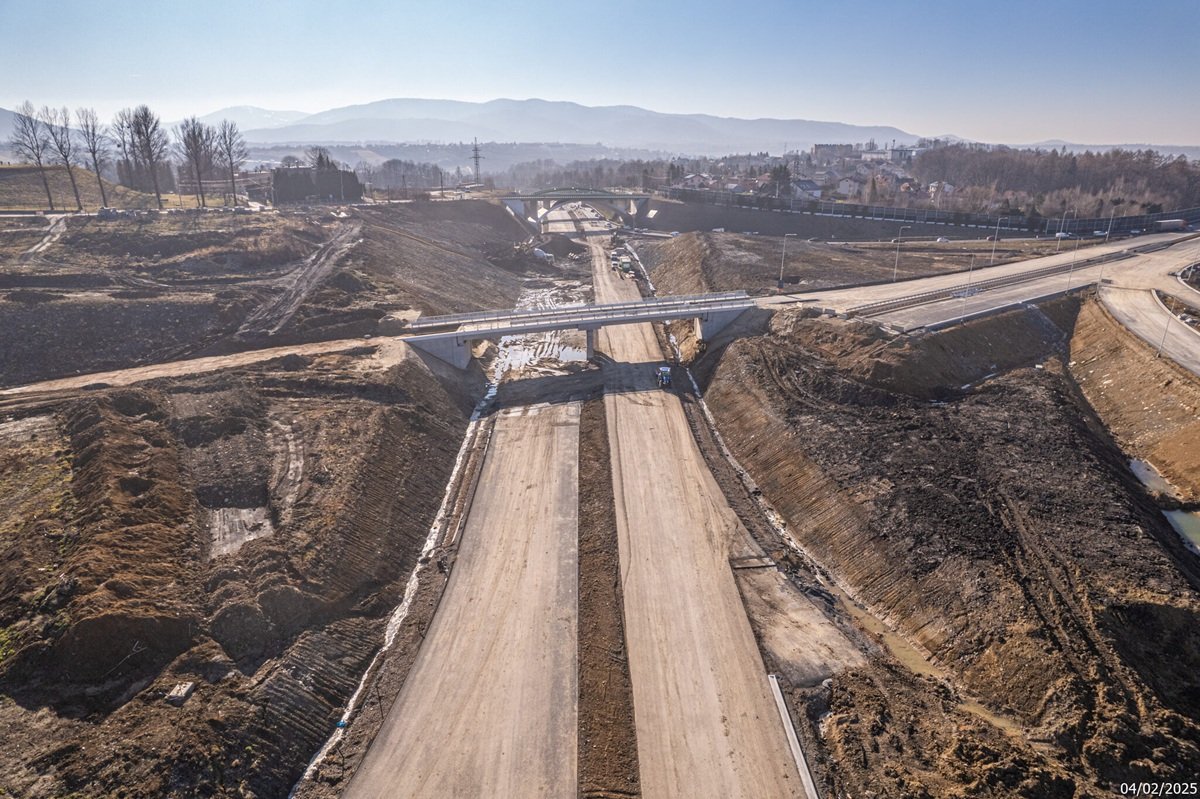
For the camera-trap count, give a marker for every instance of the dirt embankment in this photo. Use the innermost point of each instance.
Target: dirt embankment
(1151, 404)
(996, 526)
(109, 294)
(608, 761)
(113, 589)
(434, 257)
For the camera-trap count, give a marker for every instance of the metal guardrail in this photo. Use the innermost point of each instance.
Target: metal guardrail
(422, 323)
(600, 315)
(612, 316)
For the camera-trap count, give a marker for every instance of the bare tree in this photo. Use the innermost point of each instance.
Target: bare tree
(231, 152)
(62, 143)
(31, 143)
(290, 162)
(95, 143)
(122, 130)
(195, 141)
(151, 144)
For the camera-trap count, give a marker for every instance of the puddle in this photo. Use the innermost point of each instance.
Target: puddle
(1185, 522)
(20, 431)
(1150, 477)
(543, 353)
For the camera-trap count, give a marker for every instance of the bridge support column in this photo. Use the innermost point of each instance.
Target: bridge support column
(445, 348)
(590, 335)
(710, 324)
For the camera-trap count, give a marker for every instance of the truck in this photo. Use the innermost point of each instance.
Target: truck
(1163, 225)
(664, 377)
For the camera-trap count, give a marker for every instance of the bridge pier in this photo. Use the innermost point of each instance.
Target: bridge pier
(710, 324)
(452, 350)
(590, 334)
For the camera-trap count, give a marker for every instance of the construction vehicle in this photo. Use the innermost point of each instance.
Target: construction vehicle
(664, 377)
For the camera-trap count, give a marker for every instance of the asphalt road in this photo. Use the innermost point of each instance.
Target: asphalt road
(489, 708)
(1139, 312)
(852, 296)
(706, 723)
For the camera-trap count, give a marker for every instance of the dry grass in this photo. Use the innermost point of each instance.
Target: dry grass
(21, 190)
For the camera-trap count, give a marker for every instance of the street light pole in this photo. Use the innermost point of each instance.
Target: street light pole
(1062, 225)
(1166, 327)
(1074, 254)
(995, 240)
(782, 257)
(899, 238)
(962, 312)
(1110, 221)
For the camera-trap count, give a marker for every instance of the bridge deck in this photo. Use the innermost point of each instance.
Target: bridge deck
(521, 314)
(587, 317)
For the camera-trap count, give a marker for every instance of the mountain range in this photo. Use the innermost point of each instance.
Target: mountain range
(407, 120)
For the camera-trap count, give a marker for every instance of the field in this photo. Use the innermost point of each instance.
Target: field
(693, 263)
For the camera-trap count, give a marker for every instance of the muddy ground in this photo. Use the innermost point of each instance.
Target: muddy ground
(247, 532)
(962, 489)
(109, 294)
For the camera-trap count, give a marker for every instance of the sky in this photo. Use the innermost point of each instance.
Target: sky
(1017, 71)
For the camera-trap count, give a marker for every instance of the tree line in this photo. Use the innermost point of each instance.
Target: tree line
(1040, 181)
(136, 145)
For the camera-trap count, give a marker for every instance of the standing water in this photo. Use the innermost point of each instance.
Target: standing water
(1186, 523)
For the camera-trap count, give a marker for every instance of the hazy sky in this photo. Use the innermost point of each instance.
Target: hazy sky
(1017, 71)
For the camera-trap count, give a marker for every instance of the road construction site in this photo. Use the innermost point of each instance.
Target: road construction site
(880, 539)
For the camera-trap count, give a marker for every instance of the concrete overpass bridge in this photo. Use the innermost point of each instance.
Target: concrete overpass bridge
(630, 208)
(711, 313)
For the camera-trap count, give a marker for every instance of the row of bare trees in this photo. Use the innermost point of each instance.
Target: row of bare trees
(137, 145)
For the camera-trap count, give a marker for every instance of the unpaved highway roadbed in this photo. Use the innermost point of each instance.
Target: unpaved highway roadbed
(490, 706)
(706, 723)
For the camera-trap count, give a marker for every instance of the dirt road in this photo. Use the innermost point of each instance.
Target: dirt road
(489, 708)
(296, 285)
(192, 366)
(706, 723)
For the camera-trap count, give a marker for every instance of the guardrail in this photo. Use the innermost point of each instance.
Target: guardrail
(600, 315)
(422, 323)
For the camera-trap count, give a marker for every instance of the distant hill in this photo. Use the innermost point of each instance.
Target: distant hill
(250, 116)
(6, 128)
(407, 120)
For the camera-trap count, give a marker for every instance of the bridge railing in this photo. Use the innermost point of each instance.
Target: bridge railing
(422, 323)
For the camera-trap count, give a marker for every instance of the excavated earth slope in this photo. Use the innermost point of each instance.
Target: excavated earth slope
(247, 532)
(961, 488)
